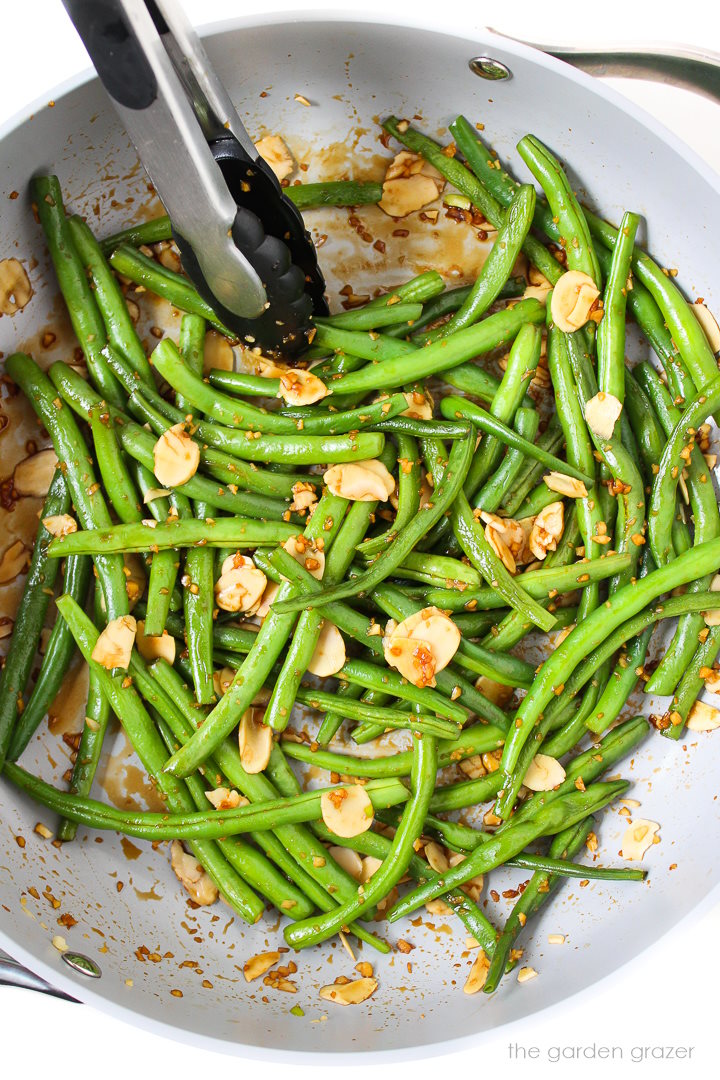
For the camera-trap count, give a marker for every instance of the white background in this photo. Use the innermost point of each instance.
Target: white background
(666, 998)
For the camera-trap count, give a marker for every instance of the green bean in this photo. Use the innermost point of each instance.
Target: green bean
(490, 495)
(621, 684)
(84, 315)
(70, 448)
(611, 329)
(56, 659)
(421, 429)
(164, 564)
(497, 267)
(384, 681)
(626, 602)
(121, 332)
(408, 365)
(315, 930)
(571, 221)
(372, 318)
(552, 818)
(223, 532)
(149, 232)
(116, 479)
(692, 683)
(469, 185)
(405, 541)
(551, 439)
(408, 485)
(565, 846)
(450, 300)
(29, 619)
(422, 723)
(478, 739)
(333, 721)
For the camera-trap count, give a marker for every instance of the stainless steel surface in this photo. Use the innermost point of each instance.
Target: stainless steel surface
(84, 965)
(488, 68)
(14, 974)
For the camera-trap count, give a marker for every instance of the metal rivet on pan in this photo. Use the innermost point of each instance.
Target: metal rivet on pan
(83, 964)
(488, 68)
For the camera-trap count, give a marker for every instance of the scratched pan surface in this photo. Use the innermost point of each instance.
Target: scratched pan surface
(123, 897)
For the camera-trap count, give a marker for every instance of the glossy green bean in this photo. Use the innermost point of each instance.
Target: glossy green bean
(222, 532)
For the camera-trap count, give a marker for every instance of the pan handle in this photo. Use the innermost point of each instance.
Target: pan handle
(674, 65)
(14, 974)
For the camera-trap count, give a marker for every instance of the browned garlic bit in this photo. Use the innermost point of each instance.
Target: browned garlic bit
(421, 645)
(709, 324)
(703, 717)
(152, 647)
(304, 497)
(255, 740)
(638, 838)
(15, 287)
(410, 184)
(60, 524)
(189, 872)
(360, 481)
(420, 406)
(575, 300)
(223, 798)
(478, 974)
(134, 577)
(347, 811)
(14, 560)
(602, 413)
(222, 681)
(258, 965)
(176, 457)
(349, 860)
(33, 474)
(565, 485)
(329, 654)
(544, 773)
(241, 584)
(539, 286)
(273, 150)
(306, 553)
(113, 648)
(547, 530)
(349, 993)
(218, 354)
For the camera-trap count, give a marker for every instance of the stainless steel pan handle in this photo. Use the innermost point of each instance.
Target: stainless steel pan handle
(14, 974)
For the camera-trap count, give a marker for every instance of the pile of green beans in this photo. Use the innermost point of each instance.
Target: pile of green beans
(401, 539)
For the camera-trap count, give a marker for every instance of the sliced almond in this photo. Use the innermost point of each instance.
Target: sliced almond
(421, 645)
(478, 974)
(544, 773)
(134, 569)
(329, 654)
(405, 195)
(13, 562)
(437, 857)
(273, 150)
(473, 767)
(304, 497)
(709, 324)
(176, 457)
(565, 485)
(574, 299)
(420, 406)
(703, 717)
(349, 993)
(602, 413)
(258, 965)
(538, 292)
(155, 493)
(370, 866)
(298, 387)
(255, 740)
(114, 646)
(223, 798)
(218, 354)
(349, 860)
(33, 475)
(360, 481)
(15, 287)
(438, 907)
(241, 584)
(496, 692)
(267, 599)
(508, 538)
(154, 646)
(347, 811)
(194, 879)
(222, 681)
(525, 974)
(307, 554)
(547, 530)
(638, 838)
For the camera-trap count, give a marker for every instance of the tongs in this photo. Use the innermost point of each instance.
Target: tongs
(242, 242)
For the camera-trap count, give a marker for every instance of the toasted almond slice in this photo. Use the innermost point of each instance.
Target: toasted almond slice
(638, 838)
(349, 993)
(307, 554)
(347, 811)
(241, 584)
(602, 413)
(703, 717)
(565, 485)
(544, 774)
(436, 857)
(304, 497)
(259, 964)
(298, 387)
(360, 481)
(14, 560)
(525, 974)
(113, 648)
(547, 529)
(709, 324)
(155, 493)
(349, 860)
(329, 654)
(59, 943)
(496, 692)
(176, 457)
(273, 150)
(712, 617)
(218, 354)
(473, 767)
(538, 292)
(574, 299)
(266, 601)
(438, 907)
(421, 645)
(556, 939)
(134, 577)
(153, 646)
(420, 406)
(478, 974)
(15, 287)
(33, 475)
(370, 866)
(223, 798)
(255, 740)
(222, 681)
(406, 194)
(194, 879)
